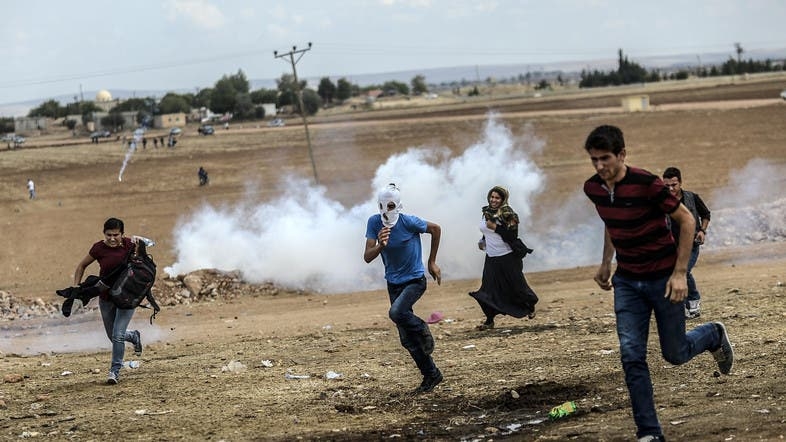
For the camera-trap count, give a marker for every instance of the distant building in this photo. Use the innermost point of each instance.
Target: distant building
(169, 120)
(270, 109)
(26, 125)
(375, 93)
(636, 103)
(104, 100)
(129, 121)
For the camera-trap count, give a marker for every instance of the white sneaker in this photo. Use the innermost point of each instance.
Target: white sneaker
(724, 354)
(693, 309)
(112, 378)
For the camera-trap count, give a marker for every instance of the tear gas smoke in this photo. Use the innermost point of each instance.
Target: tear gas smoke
(305, 239)
(79, 333)
(137, 138)
(751, 208)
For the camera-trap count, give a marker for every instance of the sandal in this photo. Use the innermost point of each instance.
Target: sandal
(485, 326)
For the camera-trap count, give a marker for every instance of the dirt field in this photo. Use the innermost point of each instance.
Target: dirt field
(499, 384)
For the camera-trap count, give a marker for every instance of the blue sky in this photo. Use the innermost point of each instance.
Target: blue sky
(54, 48)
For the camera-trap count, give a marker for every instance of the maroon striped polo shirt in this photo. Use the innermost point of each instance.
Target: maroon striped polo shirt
(635, 217)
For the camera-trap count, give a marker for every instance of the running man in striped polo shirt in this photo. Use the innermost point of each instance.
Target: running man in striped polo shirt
(651, 271)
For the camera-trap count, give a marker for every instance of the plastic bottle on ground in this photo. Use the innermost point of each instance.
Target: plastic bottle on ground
(563, 410)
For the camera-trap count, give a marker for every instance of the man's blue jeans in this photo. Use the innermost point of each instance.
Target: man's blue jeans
(412, 331)
(693, 291)
(116, 322)
(634, 302)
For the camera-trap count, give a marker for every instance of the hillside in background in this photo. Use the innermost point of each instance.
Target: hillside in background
(475, 73)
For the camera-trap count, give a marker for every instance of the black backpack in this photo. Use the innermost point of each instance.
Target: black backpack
(134, 281)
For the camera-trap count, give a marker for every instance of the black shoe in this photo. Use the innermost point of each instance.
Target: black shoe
(65, 293)
(67, 305)
(488, 325)
(137, 343)
(429, 382)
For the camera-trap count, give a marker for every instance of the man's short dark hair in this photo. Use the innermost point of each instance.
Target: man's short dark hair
(672, 172)
(114, 223)
(608, 138)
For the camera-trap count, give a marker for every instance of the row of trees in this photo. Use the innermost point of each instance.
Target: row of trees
(6, 125)
(231, 94)
(629, 72)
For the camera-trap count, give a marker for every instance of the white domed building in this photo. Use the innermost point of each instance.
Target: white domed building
(103, 95)
(104, 100)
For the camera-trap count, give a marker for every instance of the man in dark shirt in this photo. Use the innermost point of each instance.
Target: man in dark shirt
(650, 274)
(672, 177)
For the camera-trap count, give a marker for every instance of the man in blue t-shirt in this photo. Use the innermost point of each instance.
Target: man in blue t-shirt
(396, 237)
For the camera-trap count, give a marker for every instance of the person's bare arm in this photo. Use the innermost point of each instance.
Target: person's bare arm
(677, 287)
(603, 275)
(80, 268)
(436, 234)
(374, 247)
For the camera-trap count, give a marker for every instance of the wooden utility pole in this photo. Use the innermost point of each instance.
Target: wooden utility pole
(291, 55)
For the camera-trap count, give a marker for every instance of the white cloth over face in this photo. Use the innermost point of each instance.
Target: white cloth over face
(390, 205)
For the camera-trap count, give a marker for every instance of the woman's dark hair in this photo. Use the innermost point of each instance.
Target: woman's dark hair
(608, 138)
(114, 223)
(501, 191)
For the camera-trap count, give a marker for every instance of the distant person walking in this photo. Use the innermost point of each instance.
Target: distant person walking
(672, 177)
(203, 178)
(396, 237)
(651, 272)
(31, 188)
(504, 289)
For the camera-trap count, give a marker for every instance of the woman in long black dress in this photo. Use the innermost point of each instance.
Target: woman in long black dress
(504, 289)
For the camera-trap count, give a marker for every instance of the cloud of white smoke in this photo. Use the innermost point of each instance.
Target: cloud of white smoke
(751, 208)
(306, 239)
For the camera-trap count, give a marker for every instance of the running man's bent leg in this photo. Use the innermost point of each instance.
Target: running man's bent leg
(413, 331)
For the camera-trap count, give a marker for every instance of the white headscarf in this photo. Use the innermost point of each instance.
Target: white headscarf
(390, 194)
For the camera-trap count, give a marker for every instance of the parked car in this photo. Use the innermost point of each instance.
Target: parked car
(278, 122)
(7, 138)
(175, 131)
(206, 129)
(101, 134)
(18, 139)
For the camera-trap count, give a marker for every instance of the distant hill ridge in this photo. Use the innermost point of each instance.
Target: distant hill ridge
(470, 73)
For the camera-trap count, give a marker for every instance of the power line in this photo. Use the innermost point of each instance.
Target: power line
(129, 70)
(291, 54)
(344, 50)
